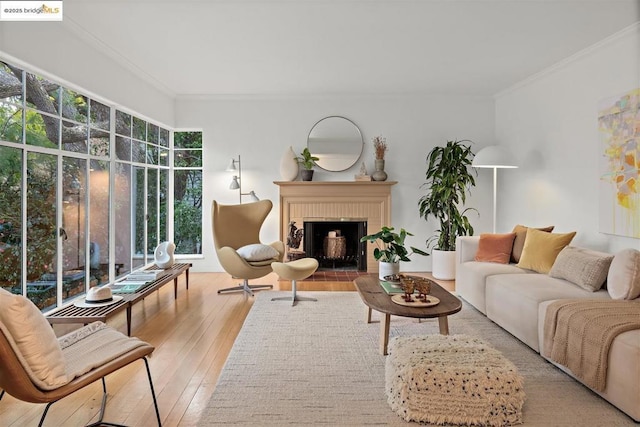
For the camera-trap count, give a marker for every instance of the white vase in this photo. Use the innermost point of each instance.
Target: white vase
(288, 165)
(443, 264)
(387, 269)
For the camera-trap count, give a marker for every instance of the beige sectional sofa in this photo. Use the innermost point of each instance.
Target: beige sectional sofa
(516, 299)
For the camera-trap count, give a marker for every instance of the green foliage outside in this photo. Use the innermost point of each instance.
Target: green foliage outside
(188, 193)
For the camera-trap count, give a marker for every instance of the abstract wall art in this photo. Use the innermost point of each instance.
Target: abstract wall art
(619, 126)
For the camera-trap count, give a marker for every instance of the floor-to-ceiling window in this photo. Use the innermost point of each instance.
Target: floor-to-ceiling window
(84, 189)
(187, 161)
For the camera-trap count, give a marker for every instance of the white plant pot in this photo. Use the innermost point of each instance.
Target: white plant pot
(387, 269)
(443, 264)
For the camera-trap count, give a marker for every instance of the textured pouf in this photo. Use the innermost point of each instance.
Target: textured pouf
(452, 379)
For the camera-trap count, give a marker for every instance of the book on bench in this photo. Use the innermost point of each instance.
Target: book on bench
(127, 286)
(145, 275)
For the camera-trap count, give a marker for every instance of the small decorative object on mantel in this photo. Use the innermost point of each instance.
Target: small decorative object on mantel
(380, 147)
(362, 176)
(307, 162)
(288, 165)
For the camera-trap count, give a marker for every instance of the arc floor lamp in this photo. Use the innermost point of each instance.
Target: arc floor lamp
(235, 166)
(493, 157)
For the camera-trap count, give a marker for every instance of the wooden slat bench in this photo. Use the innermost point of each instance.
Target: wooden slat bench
(73, 314)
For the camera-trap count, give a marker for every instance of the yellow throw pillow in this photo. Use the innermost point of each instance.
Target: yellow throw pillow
(518, 242)
(541, 249)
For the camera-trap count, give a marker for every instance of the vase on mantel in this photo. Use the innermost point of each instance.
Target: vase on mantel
(288, 165)
(379, 174)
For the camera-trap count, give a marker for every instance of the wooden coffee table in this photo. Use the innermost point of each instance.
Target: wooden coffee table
(375, 298)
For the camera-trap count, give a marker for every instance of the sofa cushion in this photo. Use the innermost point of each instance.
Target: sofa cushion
(623, 281)
(541, 249)
(471, 279)
(621, 388)
(495, 247)
(587, 269)
(518, 242)
(35, 342)
(512, 301)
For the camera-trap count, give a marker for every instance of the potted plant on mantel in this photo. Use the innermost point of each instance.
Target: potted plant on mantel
(307, 162)
(390, 250)
(448, 181)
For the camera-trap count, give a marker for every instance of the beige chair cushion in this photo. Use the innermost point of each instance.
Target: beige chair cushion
(94, 345)
(587, 269)
(541, 249)
(36, 343)
(623, 281)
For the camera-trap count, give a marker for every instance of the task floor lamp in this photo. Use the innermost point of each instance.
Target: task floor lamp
(236, 181)
(494, 157)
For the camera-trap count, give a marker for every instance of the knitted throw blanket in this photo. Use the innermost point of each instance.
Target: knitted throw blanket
(578, 334)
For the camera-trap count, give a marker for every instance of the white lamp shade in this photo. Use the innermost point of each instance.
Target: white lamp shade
(232, 166)
(234, 183)
(253, 197)
(493, 156)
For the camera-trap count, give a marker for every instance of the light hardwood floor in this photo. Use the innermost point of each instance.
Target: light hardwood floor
(192, 335)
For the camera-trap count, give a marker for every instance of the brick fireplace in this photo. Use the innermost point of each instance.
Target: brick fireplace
(335, 202)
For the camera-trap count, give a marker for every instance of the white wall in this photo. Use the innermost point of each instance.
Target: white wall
(550, 124)
(260, 130)
(55, 49)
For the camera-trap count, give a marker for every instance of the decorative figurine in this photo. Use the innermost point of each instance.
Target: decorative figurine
(295, 236)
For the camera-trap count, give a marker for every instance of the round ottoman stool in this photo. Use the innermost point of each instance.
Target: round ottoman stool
(295, 270)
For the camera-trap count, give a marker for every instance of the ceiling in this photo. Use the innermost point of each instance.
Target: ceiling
(329, 47)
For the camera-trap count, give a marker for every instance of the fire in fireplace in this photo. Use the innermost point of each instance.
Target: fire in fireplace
(335, 243)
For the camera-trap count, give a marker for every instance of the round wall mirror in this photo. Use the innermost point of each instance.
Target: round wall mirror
(337, 142)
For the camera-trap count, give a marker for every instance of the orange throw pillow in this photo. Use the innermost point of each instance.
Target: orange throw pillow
(495, 247)
(521, 235)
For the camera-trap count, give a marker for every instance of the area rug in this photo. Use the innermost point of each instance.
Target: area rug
(317, 363)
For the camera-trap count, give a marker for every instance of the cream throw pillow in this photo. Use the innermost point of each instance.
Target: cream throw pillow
(541, 249)
(623, 281)
(587, 269)
(34, 339)
(257, 252)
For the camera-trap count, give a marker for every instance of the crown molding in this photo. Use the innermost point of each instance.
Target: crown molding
(107, 50)
(633, 28)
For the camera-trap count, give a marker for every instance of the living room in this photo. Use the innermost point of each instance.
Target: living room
(528, 77)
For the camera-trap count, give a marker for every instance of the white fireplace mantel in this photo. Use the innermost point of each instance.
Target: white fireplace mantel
(369, 200)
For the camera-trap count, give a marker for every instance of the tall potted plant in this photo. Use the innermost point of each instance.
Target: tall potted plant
(390, 249)
(448, 180)
(306, 160)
